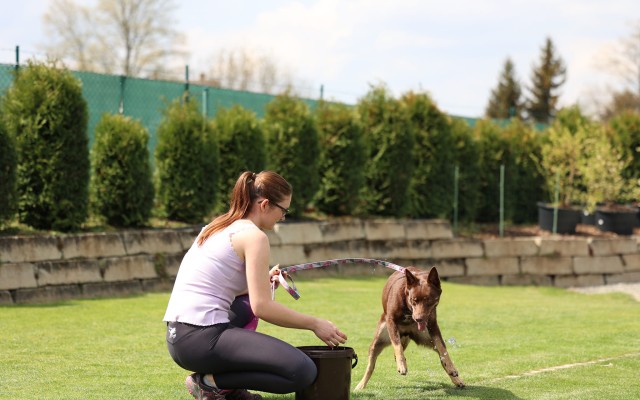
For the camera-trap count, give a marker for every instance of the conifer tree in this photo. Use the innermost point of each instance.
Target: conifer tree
(506, 98)
(546, 80)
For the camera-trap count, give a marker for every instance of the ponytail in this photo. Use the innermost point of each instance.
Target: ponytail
(248, 188)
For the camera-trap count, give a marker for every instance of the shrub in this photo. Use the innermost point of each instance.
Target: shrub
(434, 153)
(342, 159)
(293, 147)
(526, 182)
(121, 185)
(494, 151)
(625, 131)
(186, 163)
(389, 165)
(561, 149)
(46, 114)
(7, 175)
(466, 159)
(242, 148)
(601, 169)
(512, 146)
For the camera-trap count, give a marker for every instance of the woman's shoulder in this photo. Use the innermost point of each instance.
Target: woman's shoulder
(247, 229)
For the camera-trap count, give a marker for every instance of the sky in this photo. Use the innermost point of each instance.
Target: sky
(454, 50)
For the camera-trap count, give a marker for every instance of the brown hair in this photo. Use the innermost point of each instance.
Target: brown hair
(249, 187)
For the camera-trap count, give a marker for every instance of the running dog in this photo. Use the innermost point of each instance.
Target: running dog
(409, 301)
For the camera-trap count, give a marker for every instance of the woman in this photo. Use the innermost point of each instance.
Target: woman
(208, 307)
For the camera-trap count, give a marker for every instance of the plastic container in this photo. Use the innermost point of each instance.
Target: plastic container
(334, 373)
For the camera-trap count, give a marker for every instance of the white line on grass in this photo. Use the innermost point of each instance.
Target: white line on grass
(565, 366)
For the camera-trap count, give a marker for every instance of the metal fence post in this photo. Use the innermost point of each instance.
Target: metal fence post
(501, 200)
(17, 58)
(456, 178)
(122, 83)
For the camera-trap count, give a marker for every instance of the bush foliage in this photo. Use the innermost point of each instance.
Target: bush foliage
(467, 163)
(121, 185)
(8, 164)
(46, 114)
(390, 163)
(562, 147)
(434, 154)
(242, 145)
(625, 132)
(293, 147)
(342, 159)
(186, 163)
(385, 156)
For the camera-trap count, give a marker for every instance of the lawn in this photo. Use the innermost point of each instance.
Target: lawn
(506, 342)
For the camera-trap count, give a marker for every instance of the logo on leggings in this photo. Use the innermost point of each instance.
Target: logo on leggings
(172, 333)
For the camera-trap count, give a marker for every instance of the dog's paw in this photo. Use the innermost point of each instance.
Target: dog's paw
(457, 381)
(402, 369)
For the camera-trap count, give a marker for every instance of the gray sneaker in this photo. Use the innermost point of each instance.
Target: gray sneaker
(200, 391)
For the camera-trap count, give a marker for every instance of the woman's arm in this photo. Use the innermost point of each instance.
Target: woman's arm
(254, 245)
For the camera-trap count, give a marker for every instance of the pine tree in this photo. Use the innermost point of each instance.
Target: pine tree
(546, 79)
(505, 101)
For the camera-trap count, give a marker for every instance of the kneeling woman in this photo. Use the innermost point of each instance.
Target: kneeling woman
(211, 320)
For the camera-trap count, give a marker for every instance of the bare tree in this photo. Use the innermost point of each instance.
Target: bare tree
(623, 61)
(128, 37)
(68, 26)
(243, 69)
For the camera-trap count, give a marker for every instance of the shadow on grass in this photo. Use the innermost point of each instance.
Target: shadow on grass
(469, 392)
(482, 392)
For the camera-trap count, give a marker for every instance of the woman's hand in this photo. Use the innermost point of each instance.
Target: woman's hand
(273, 275)
(329, 333)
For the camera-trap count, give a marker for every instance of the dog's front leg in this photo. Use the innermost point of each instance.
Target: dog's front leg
(398, 351)
(441, 349)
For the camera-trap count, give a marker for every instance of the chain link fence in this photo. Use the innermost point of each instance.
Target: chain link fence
(145, 99)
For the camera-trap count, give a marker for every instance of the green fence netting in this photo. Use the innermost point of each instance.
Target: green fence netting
(145, 99)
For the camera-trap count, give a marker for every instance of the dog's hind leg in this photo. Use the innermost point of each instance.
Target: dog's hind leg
(380, 341)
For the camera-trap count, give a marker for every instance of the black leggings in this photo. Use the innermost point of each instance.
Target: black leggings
(240, 358)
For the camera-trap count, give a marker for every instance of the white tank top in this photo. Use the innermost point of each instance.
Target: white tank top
(209, 278)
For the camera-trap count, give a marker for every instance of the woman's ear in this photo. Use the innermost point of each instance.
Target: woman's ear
(263, 204)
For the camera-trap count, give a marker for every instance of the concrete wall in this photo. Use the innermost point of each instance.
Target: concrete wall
(40, 269)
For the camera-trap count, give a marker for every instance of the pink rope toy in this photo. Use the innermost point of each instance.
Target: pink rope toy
(293, 291)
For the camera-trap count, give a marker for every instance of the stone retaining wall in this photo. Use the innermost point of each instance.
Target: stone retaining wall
(40, 269)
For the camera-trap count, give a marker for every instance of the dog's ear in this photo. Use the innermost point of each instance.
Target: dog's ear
(411, 278)
(433, 278)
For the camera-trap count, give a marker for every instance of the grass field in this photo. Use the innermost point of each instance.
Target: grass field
(507, 343)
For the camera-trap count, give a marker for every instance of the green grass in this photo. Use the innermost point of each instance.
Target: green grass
(115, 348)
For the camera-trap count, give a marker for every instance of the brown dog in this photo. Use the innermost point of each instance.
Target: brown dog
(409, 301)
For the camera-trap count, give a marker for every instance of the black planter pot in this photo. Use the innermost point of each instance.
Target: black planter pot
(621, 222)
(568, 218)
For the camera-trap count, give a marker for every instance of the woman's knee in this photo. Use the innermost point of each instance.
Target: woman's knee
(307, 373)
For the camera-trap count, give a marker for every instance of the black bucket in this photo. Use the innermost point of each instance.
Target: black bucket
(334, 373)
